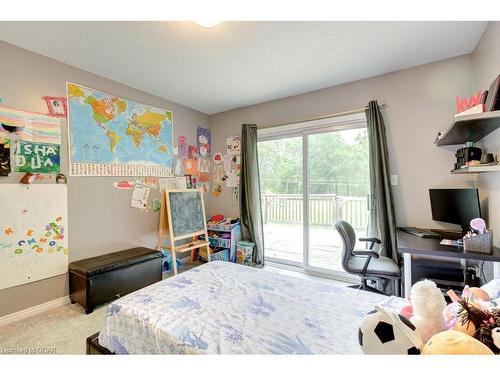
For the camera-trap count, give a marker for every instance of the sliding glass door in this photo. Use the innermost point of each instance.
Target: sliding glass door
(281, 185)
(312, 176)
(337, 189)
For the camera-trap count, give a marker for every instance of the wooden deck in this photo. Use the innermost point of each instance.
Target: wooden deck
(285, 242)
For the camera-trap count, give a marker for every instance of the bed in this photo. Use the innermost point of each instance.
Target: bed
(226, 308)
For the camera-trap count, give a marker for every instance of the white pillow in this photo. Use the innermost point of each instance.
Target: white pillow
(492, 288)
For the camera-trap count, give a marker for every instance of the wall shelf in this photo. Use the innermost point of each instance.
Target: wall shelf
(478, 169)
(471, 128)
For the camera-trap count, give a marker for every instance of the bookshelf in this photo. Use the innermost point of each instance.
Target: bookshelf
(471, 128)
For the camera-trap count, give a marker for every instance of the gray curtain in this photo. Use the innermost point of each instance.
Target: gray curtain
(250, 210)
(382, 223)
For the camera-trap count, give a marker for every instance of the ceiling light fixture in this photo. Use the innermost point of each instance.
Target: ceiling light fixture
(208, 23)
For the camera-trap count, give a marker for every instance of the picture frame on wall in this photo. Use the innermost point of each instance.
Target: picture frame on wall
(57, 106)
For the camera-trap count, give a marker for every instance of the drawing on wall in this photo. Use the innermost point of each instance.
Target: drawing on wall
(204, 164)
(192, 152)
(203, 141)
(216, 190)
(233, 145)
(172, 183)
(179, 167)
(57, 106)
(218, 173)
(191, 166)
(217, 158)
(35, 157)
(182, 146)
(112, 136)
(140, 197)
(29, 126)
(33, 235)
(124, 185)
(156, 205)
(4, 159)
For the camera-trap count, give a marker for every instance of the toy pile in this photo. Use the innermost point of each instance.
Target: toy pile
(427, 325)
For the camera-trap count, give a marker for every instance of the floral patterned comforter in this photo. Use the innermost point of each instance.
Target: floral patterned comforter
(226, 308)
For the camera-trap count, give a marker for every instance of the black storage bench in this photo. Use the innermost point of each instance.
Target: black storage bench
(96, 280)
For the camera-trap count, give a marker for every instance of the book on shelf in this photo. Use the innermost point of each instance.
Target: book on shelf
(480, 108)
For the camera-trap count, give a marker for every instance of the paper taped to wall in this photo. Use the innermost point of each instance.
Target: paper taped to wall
(33, 233)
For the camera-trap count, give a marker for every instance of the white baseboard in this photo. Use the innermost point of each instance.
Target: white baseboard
(34, 310)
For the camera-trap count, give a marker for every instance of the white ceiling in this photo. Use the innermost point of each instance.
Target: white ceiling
(241, 63)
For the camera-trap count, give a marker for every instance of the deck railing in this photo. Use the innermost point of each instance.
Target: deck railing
(324, 209)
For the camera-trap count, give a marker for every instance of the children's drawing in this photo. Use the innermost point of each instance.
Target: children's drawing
(182, 146)
(29, 126)
(124, 185)
(35, 157)
(57, 106)
(192, 152)
(191, 166)
(140, 197)
(33, 236)
(203, 141)
(218, 158)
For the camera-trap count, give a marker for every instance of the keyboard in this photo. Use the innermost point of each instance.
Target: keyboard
(422, 233)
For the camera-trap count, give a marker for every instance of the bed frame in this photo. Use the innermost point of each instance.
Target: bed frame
(93, 346)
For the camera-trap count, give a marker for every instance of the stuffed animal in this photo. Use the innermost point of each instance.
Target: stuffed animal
(407, 311)
(428, 304)
(485, 323)
(495, 335)
(454, 342)
(384, 332)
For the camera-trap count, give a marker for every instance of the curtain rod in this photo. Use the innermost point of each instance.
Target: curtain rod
(331, 115)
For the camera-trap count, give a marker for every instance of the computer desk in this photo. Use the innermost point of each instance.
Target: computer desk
(409, 245)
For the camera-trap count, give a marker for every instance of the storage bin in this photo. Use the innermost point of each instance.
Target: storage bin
(218, 242)
(166, 262)
(220, 255)
(480, 243)
(244, 252)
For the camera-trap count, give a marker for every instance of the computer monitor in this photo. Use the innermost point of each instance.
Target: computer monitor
(455, 206)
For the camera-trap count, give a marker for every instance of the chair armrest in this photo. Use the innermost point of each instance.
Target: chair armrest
(370, 239)
(369, 253)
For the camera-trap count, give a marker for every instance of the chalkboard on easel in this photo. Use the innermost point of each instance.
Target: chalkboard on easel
(182, 217)
(186, 212)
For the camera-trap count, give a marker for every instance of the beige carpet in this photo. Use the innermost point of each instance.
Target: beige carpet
(63, 330)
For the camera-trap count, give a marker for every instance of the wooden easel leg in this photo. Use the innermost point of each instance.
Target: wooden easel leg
(174, 262)
(208, 253)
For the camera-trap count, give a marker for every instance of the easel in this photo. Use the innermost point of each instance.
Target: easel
(166, 228)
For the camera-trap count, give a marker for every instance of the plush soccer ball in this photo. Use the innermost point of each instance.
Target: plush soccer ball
(384, 332)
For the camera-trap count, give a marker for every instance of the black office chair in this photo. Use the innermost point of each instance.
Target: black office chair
(368, 264)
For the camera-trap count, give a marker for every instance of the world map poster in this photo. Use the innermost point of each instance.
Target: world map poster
(112, 136)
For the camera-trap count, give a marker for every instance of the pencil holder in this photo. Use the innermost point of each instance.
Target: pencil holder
(480, 243)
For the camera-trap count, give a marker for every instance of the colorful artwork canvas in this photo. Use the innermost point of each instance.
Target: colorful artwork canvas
(108, 130)
(203, 141)
(35, 157)
(33, 233)
(16, 124)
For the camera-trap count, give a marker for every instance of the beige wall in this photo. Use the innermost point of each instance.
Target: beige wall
(420, 102)
(100, 217)
(485, 67)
